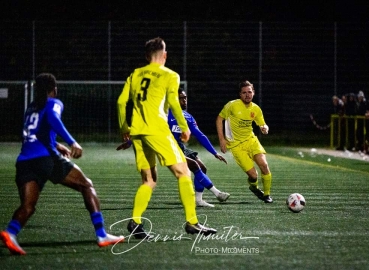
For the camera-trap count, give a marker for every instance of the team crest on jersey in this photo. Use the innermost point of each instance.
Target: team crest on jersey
(252, 114)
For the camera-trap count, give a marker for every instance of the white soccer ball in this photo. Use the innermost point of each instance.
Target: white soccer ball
(296, 202)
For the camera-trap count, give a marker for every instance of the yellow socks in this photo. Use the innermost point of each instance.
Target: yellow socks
(141, 202)
(267, 182)
(187, 196)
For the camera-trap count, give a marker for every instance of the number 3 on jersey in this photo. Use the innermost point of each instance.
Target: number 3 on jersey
(145, 83)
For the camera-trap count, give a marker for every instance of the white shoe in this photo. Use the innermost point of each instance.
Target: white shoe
(109, 240)
(202, 203)
(10, 241)
(223, 196)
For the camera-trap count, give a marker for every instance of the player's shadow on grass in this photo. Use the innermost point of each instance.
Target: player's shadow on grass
(53, 247)
(58, 244)
(176, 205)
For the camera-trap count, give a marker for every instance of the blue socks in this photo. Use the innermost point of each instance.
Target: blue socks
(201, 180)
(98, 222)
(14, 227)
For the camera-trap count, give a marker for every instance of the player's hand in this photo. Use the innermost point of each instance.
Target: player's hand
(76, 150)
(223, 145)
(124, 145)
(264, 129)
(63, 150)
(221, 158)
(185, 136)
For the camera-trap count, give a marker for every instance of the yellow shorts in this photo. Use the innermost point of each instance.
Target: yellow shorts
(244, 153)
(148, 147)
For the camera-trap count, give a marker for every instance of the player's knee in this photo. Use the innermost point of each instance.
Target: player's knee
(264, 168)
(203, 168)
(193, 167)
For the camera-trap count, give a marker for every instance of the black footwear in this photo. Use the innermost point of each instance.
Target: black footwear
(267, 199)
(198, 228)
(258, 193)
(137, 230)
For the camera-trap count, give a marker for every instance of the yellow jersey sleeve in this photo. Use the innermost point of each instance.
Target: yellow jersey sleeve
(121, 106)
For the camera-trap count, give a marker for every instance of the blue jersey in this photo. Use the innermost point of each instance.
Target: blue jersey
(41, 126)
(195, 131)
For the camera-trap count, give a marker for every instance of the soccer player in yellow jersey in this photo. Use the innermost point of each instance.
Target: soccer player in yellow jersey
(237, 135)
(153, 90)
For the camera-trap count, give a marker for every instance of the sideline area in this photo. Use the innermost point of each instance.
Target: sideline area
(335, 153)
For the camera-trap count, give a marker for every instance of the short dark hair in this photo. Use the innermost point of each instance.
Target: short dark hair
(245, 83)
(45, 84)
(180, 90)
(152, 46)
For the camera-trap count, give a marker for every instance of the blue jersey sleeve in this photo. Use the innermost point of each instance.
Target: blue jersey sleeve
(54, 110)
(201, 137)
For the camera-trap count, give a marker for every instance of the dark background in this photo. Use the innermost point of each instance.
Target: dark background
(298, 51)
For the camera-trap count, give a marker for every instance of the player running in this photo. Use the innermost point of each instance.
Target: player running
(238, 116)
(42, 158)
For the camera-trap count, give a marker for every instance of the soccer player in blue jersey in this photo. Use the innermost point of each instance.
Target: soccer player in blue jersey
(196, 166)
(238, 136)
(42, 158)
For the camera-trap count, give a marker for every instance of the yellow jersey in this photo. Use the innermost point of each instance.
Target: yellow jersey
(238, 121)
(153, 90)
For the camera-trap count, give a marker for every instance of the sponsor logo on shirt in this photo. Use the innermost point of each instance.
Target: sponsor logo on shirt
(176, 129)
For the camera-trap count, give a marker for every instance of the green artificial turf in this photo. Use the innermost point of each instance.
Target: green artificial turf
(330, 233)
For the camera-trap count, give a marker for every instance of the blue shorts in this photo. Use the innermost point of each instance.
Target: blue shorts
(53, 168)
(188, 152)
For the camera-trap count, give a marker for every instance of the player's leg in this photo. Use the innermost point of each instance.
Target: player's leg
(244, 158)
(202, 179)
(170, 155)
(29, 193)
(220, 195)
(266, 176)
(77, 180)
(258, 154)
(200, 182)
(186, 190)
(146, 165)
(186, 193)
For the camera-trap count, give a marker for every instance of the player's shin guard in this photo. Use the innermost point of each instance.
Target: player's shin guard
(267, 183)
(187, 196)
(141, 202)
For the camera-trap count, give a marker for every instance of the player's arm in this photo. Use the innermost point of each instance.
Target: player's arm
(75, 151)
(122, 115)
(204, 140)
(264, 129)
(54, 119)
(259, 120)
(121, 107)
(63, 150)
(173, 102)
(222, 140)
